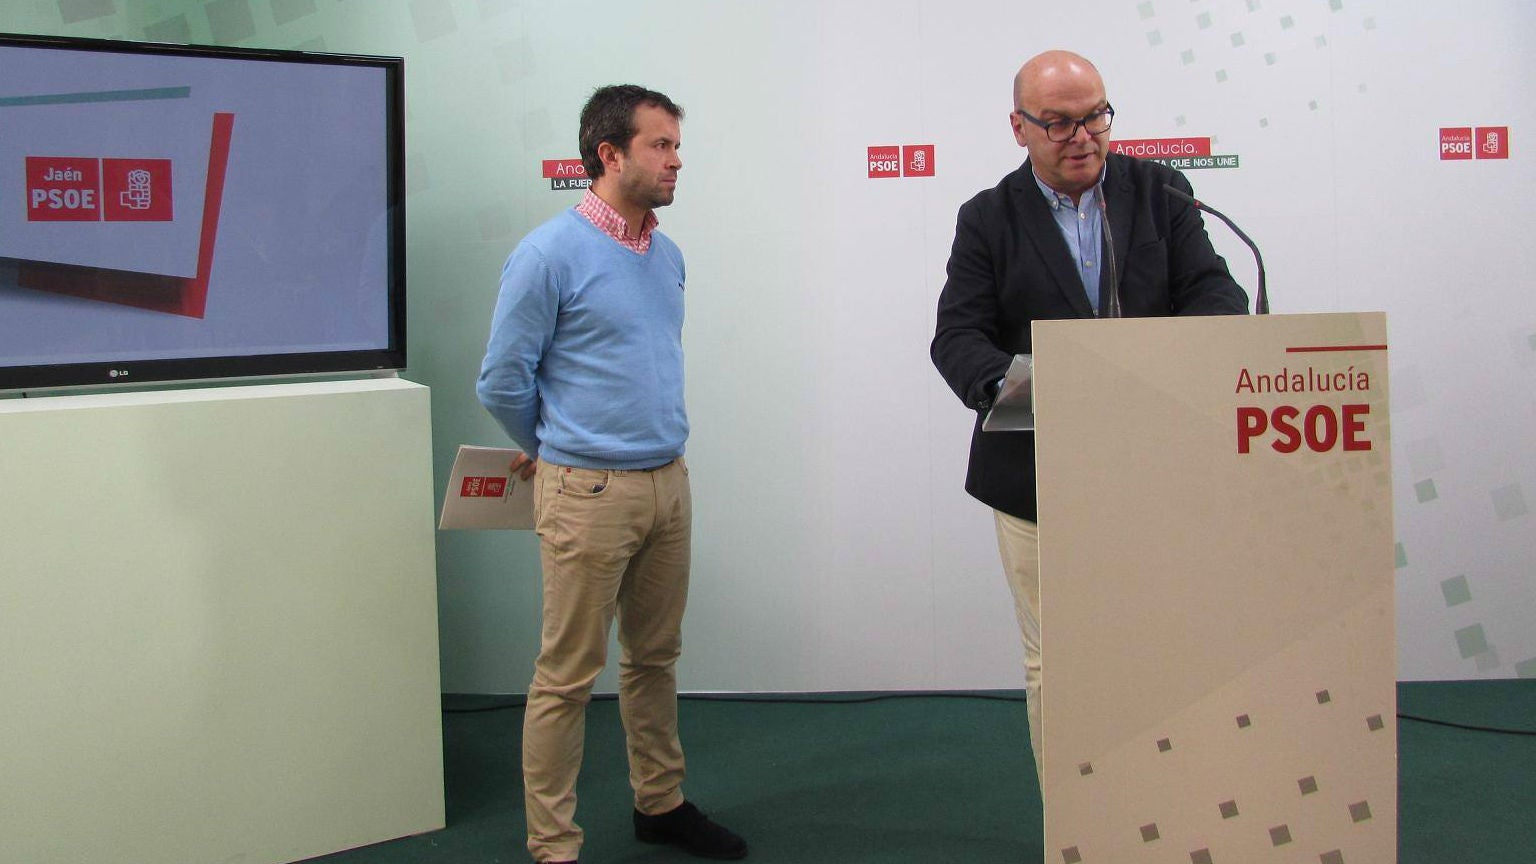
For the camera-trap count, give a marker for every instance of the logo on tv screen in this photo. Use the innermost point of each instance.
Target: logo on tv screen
(63, 189)
(136, 190)
(88, 189)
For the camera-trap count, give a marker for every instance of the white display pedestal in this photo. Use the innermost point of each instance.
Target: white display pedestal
(218, 624)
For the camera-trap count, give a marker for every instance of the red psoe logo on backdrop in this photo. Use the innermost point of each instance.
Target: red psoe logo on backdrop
(1456, 142)
(1181, 153)
(885, 161)
(63, 189)
(1161, 148)
(136, 190)
(917, 160)
(1491, 142)
(566, 174)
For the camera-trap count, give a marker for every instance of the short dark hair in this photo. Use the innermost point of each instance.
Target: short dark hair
(610, 116)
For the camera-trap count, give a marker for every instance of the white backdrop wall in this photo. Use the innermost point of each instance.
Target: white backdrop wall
(835, 548)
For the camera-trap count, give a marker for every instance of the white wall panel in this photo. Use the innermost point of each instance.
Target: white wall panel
(835, 547)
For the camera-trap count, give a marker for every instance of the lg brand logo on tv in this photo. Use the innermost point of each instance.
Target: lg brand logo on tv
(907, 160)
(88, 189)
(1466, 142)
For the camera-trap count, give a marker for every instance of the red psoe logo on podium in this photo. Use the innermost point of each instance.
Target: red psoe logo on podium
(1310, 410)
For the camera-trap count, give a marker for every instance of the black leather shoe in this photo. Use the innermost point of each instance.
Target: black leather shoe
(692, 831)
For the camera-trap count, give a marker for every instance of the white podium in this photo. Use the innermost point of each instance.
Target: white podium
(1216, 553)
(218, 624)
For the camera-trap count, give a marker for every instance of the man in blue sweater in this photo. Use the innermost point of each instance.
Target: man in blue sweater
(584, 370)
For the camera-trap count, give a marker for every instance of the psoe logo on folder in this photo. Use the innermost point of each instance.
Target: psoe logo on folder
(483, 487)
(88, 189)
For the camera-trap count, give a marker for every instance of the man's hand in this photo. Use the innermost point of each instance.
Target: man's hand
(524, 467)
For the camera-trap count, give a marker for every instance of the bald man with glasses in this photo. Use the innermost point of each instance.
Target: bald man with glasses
(1075, 232)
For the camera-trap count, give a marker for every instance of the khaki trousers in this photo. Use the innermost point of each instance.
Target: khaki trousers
(1018, 542)
(612, 544)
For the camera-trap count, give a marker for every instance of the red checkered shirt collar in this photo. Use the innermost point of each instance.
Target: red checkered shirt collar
(608, 221)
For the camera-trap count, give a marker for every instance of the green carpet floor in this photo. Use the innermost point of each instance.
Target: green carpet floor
(935, 778)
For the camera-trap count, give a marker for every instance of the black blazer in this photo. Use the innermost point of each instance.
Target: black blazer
(1010, 266)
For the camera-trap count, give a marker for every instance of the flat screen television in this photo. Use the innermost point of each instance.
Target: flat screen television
(184, 213)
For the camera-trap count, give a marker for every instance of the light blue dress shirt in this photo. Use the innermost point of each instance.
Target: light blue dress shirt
(1082, 226)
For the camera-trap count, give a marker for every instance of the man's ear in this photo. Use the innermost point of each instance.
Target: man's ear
(608, 154)
(1017, 123)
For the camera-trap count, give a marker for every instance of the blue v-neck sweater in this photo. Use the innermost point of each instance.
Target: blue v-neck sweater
(585, 361)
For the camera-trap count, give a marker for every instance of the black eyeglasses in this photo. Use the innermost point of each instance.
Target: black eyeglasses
(1061, 131)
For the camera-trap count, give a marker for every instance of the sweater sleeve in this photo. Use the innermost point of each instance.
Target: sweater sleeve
(521, 331)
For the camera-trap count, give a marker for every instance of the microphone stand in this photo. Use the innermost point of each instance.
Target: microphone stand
(1261, 299)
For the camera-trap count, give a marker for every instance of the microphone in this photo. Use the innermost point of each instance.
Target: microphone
(1109, 243)
(1261, 299)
